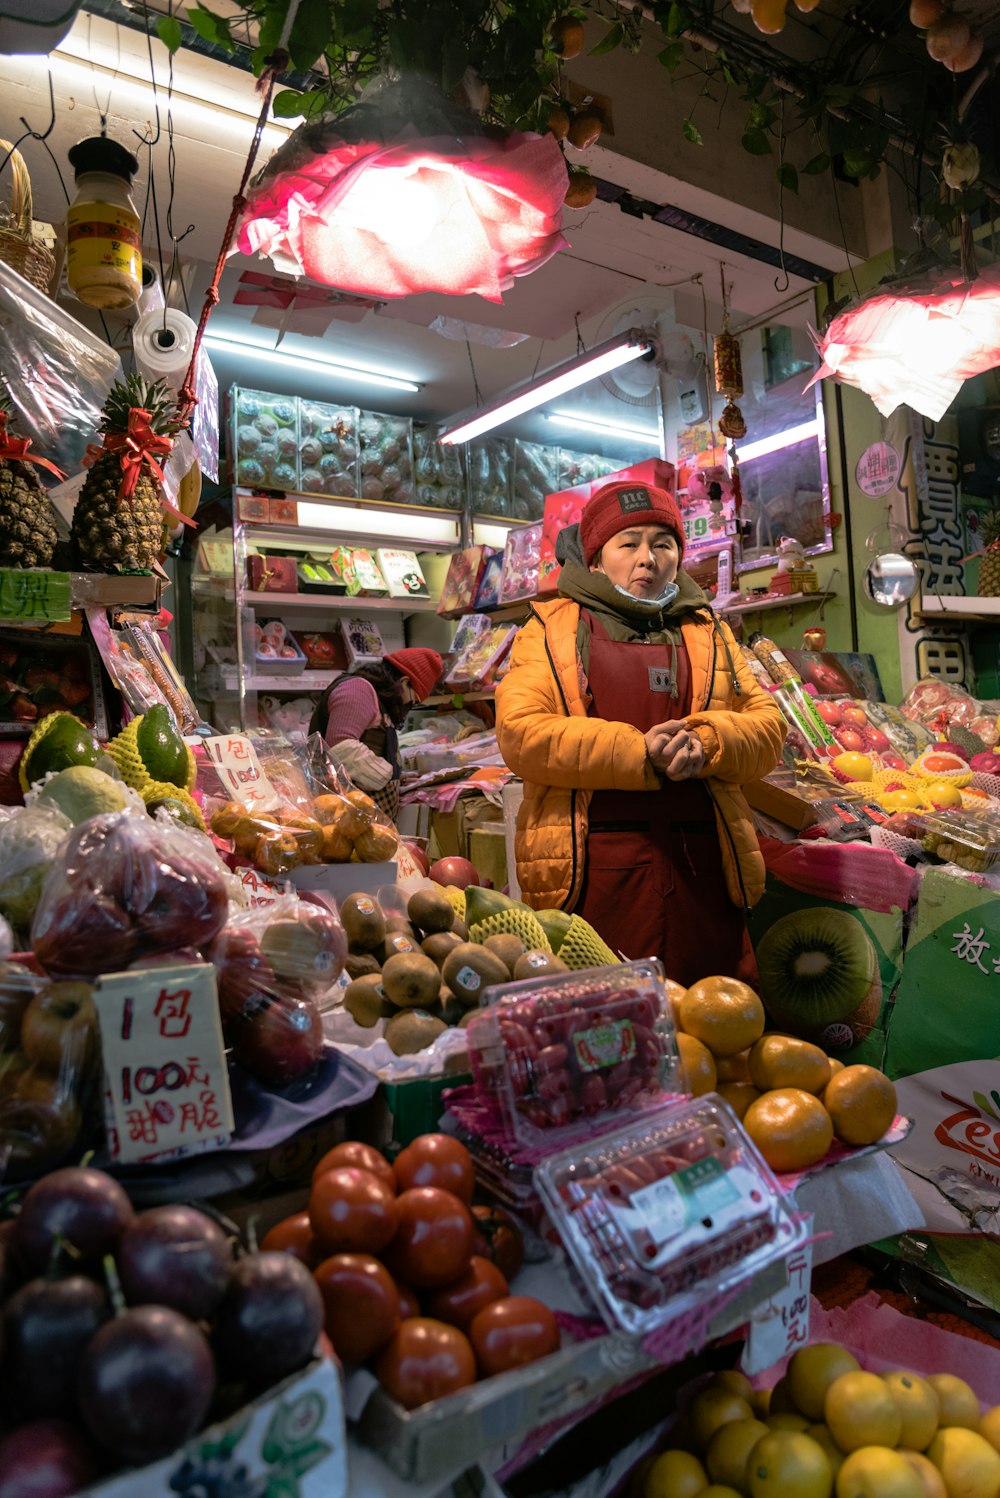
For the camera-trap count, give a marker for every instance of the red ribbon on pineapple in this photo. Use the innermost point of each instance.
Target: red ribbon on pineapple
(137, 446)
(16, 449)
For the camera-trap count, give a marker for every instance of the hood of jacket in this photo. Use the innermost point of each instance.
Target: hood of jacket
(622, 615)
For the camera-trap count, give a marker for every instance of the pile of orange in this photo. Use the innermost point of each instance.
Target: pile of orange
(829, 1428)
(793, 1099)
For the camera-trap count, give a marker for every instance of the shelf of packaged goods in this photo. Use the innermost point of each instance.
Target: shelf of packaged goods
(943, 608)
(295, 682)
(339, 602)
(215, 584)
(790, 601)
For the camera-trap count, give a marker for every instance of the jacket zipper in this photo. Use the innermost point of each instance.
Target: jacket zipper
(574, 793)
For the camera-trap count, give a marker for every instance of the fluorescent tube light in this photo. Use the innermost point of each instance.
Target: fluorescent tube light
(780, 440)
(634, 344)
(302, 362)
(603, 428)
(367, 521)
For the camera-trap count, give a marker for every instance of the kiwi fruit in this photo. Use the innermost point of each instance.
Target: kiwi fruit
(469, 969)
(438, 945)
(365, 1000)
(816, 967)
(470, 1014)
(360, 964)
(536, 964)
(460, 928)
(430, 911)
(396, 942)
(413, 1030)
(364, 922)
(395, 920)
(411, 980)
(452, 1009)
(507, 947)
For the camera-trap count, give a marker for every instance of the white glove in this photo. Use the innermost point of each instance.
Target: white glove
(364, 766)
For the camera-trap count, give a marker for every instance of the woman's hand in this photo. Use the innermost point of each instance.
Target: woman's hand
(675, 751)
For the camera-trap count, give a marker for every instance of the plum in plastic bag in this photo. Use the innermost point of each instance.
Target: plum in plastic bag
(127, 888)
(29, 844)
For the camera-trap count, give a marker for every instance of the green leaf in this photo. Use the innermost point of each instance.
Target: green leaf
(311, 33)
(288, 105)
(788, 176)
(761, 115)
(168, 29)
(756, 84)
(677, 19)
(612, 38)
(671, 57)
(817, 165)
(692, 133)
(756, 142)
(211, 28)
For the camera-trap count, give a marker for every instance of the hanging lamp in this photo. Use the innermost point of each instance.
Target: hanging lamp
(403, 193)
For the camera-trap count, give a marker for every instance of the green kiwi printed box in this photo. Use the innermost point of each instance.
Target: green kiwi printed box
(845, 951)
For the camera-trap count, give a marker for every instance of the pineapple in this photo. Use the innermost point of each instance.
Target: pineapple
(989, 563)
(27, 525)
(113, 534)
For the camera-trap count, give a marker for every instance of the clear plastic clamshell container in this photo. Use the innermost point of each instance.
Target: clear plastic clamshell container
(558, 1051)
(672, 1209)
(968, 837)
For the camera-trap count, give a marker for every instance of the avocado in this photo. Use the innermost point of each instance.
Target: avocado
(536, 964)
(430, 911)
(411, 980)
(555, 924)
(59, 741)
(363, 921)
(470, 969)
(412, 1031)
(439, 944)
(161, 746)
(507, 947)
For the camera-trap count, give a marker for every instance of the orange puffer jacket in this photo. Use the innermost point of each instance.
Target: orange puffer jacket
(563, 756)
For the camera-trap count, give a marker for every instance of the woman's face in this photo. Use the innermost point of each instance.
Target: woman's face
(643, 560)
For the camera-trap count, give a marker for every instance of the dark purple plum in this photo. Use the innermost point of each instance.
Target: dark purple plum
(146, 1382)
(47, 1326)
(269, 1319)
(47, 1459)
(86, 1207)
(175, 1256)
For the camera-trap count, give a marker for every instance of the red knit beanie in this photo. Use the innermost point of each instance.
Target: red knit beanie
(421, 666)
(617, 507)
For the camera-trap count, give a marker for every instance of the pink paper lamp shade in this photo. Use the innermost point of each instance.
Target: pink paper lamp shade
(916, 348)
(440, 213)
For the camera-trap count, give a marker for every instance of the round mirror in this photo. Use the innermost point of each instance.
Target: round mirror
(891, 579)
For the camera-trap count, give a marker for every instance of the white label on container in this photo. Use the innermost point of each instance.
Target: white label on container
(468, 978)
(604, 1045)
(697, 1204)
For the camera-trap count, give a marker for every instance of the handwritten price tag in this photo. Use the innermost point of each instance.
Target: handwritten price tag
(235, 759)
(260, 890)
(164, 1060)
(35, 597)
(781, 1324)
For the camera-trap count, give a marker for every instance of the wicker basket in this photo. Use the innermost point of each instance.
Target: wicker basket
(18, 246)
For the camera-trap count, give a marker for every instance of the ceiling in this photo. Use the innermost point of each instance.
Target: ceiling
(614, 262)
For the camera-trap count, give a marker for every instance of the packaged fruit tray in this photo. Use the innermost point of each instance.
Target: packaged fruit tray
(969, 838)
(557, 1051)
(668, 1210)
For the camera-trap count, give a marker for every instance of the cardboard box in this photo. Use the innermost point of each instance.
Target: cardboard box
(784, 806)
(290, 1440)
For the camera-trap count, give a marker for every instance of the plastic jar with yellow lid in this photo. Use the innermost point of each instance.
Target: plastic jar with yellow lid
(104, 246)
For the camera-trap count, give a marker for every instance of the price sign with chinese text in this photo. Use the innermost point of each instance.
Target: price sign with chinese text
(238, 767)
(164, 1060)
(35, 597)
(781, 1325)
(260, 890)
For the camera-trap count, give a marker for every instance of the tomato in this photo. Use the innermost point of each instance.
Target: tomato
(433, 1244)
(294, 1235)
(436, 1160)
(352, 1211)
(509, 1333)
(361, 1305)
(425, 1360)
(409, 1303)
(361, 1156)
(499, 1239)
(457, 1303)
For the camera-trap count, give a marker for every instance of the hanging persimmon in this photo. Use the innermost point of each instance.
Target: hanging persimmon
(924, 13)
(582, 190)
(567, 37)
(558, 122)
(768, 15)
(968, 57)
(585, 128)
(948, 38)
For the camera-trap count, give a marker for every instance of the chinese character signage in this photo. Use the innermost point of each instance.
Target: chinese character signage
(781, 1325)
(164, 1061)
(238, 768)
(877, 469)
(34, 597)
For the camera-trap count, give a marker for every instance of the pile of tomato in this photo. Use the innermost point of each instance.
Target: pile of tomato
(415, 1279)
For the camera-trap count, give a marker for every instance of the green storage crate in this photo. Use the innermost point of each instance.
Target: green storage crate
(413, 1108)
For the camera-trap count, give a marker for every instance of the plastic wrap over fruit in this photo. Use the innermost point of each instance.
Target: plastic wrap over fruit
(30, 841)
(50, 1052)
(126, 887)
(275, 966)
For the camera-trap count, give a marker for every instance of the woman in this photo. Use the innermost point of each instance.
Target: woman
(633, 721)
(361, 712)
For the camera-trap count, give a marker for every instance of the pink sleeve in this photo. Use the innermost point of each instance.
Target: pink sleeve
(353, 709)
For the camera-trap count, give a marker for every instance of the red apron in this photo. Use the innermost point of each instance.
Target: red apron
(654, 884)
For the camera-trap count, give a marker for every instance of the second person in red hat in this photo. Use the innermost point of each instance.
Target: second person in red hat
(631, 718)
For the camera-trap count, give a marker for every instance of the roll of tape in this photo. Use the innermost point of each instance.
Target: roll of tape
(163, 341)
